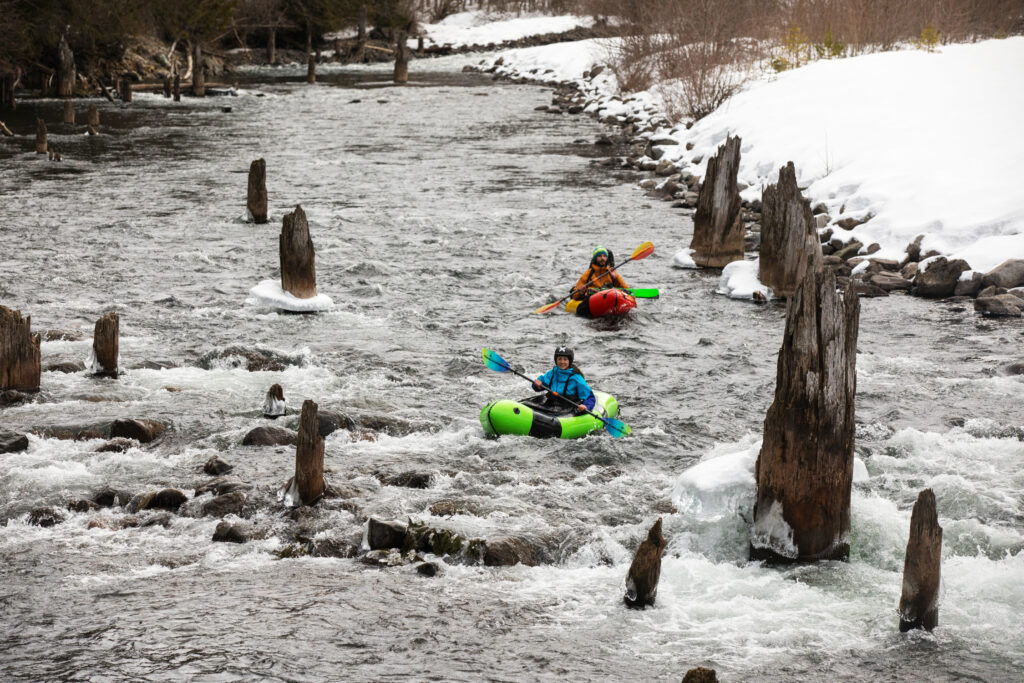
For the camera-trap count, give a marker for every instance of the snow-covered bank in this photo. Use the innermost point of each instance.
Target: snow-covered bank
(924, 143)
(480, 28)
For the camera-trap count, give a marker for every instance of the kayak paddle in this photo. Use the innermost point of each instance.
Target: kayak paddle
(616, 428)
(641, 252)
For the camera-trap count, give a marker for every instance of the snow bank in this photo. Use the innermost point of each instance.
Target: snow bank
(739, 281)
(923, 142)
(479, 28)
(270, 293)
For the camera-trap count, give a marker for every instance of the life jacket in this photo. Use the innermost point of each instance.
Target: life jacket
(561, 381)
(599, 277)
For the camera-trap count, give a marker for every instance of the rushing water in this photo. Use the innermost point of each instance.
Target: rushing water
(443, 213)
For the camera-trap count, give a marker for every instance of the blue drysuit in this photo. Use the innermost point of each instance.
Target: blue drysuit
(569, 383)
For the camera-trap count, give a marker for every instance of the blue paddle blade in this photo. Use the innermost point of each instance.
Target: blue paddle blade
(616, 428)
(494, 361)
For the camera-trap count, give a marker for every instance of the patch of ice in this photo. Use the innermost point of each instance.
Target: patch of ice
(270, 293)
(860, 471)
(771, 531)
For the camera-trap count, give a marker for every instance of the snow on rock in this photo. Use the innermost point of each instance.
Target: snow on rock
(719, 483)
(270, 293)
(684, 259)
(739, 281)
(480, 28)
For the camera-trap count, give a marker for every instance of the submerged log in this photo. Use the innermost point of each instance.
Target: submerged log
(309, 456)
(919, 602)
(104, 346)
(20, 365)
(401, 58)
(5, 131)
(644, 572)
(274, 405)
(789, 236)
(717, 228)
(65, 69)
(804, 471)
(40, 136)
(298, 258)
(69, 112)
(257, 201)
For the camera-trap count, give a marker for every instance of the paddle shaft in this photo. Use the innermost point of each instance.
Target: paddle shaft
(556, 394)
(593, 279)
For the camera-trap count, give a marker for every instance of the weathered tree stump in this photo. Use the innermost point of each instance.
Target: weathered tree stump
(65, 69)
(257, 201)
(804, 471)
(103, 361)
(20, 365)
(40, 136)
(644, 572)
(401, 57)
(93, 116)
(298, 258)
(272, 45)
(167, 87)
(177, 88)
(789, 237)
(7, 82)
(274, 405)
(124, 88)
(309, 456)
(69, 112)
(717, 228)
(198, 74)
(919, 602)
(310, 58)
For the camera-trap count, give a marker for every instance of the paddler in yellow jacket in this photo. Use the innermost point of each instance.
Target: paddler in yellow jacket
(599, 275)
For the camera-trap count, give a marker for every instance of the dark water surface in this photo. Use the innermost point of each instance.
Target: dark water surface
(442, 214)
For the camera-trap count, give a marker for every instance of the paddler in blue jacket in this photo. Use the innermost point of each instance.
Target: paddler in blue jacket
(567, 381)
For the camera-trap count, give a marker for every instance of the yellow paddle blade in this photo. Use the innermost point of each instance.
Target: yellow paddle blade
(548, 307)
(643, 251)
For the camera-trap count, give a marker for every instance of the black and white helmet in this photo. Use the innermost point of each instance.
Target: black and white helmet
(564, 351)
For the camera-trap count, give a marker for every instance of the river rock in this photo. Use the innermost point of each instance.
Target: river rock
(222, 485)
(82, 505)
(328, 422)
(410, 480)
(67, 366)
(913, 251)
(381, 535)
(227, 532)
(427, 569)
(444, 508)
(849, 251)
(253, 360)
(63, 335)
(939, 278)
(510, 551)
(909, 271)
(12, 397)
(991, 290)
(700, 674)
(866, 289)
(334, 547)
(166, 499)
(270, 436)
(889, 281)
(118, 445)
(158, 519)
(215, 466)
(1003, 305)
(142, 430)
(45, 517)
(109, 497)
(228, 504)
(969, 287)
(1007, 274)
(12, 442)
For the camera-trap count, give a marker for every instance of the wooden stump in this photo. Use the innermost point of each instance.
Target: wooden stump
(401, 58)
(309, 456)
(167, 87)
(271, 45)
(104, 346)
(198, 75)
(644, 572)
(7, 82)
(124, 89)
(177, 88)
(20, 365)
(804, 471)
(298, 258)
(65, 69)
(700, 675)
(69, 112)
(919, 602)
(93, 116)
(40, 136)
(257, 202)
(310, 68)
(717, 228)
(789, 238)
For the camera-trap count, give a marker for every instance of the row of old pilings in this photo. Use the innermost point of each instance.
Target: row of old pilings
(20, 357)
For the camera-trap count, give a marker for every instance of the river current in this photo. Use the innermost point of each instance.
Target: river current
(443, 213)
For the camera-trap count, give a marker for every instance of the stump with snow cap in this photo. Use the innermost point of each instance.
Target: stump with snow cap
(257, 200)
(103, 361)
(804, 470)
(919, 601)
(789, 239)
(645, 570)
(717, 228)
(20, 360)
(298, 258)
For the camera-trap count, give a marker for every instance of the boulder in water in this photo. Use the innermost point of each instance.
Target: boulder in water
(510, 551)
(165, 499)
(270, 436)
(381, 535)
(227, 504)
(229, 533)
(1001, 305)
(45, 517)
(12, 442)
(1008, 274)
(937, 278)
(67, 366)
(216, 466)
(143, 431)
(109, 497)
(117, 445)
(410, 480)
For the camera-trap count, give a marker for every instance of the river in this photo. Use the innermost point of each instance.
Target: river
(443, 213)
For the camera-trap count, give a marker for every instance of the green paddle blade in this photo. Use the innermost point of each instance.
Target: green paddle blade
(495, 362)
(616, 428)
(648, 293)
